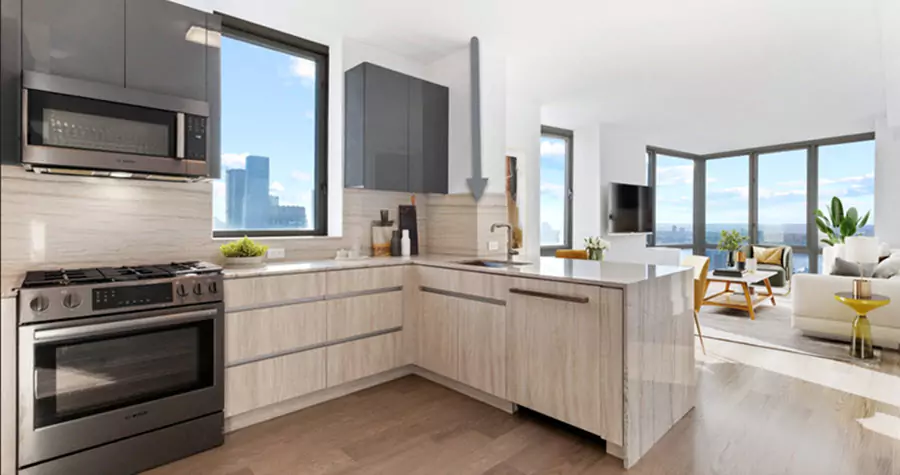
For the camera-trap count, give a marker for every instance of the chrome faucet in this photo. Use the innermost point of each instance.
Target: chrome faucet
(510, 252)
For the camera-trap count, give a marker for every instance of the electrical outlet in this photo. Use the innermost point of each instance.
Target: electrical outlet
(275, 253)
(493, 246)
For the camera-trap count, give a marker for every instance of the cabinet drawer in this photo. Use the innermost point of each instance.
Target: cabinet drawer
(356, 280)
(271, 381)
(482, 346)
(273, 330)
(260, 291)
(358, 359)
(353, 316)
(470, 283)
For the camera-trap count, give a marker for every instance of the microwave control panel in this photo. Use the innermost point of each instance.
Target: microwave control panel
(194, 137)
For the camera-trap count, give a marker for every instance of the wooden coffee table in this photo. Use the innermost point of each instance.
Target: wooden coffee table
(750, 300)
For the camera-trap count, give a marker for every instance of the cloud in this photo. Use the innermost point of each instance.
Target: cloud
(234, 160)
(303, 68)
(675, 175)
(276, 187)
(742, 192)
(553, 147)
(553, 190)
(301, 176)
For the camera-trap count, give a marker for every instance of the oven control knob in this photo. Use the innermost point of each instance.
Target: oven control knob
(213, 288)
(39, 304)
(181, 291)
(198, 289)
(71, 301)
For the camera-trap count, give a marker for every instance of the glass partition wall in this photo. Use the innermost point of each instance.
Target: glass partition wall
(769, 194)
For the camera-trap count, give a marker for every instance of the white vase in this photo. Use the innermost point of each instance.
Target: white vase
(256, 261)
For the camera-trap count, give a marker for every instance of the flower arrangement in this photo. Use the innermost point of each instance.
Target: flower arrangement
(595, 247)
(731, 242)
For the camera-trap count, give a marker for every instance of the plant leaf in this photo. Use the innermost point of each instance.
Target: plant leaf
(852, 215)
(825, 227)
(837, 211)
(864, 220)
(828, 241)
(848, 228)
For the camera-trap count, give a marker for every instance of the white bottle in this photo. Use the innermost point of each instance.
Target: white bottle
(405, 243)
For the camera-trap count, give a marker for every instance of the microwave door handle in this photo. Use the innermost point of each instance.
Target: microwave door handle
(108, 328)
(179, 135)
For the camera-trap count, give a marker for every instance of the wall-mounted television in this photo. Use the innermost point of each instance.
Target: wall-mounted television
(630, 208)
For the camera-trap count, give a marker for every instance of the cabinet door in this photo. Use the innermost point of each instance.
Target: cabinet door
(354, 316)
(435, 130)
(417, 168)
(159, 57)
(361, 358)
(482, 346)
(386, 129)
(10, 81)
(439, 334)
(553, 337)
(354, 127)
(274, 380)
(82, 39)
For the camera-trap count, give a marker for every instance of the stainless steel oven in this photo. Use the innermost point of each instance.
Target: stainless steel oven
(124, 385)
(81, 127)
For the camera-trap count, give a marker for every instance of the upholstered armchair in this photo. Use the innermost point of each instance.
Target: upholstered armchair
(784, 270)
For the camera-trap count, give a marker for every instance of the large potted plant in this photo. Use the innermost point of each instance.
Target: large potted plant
(243, 253)
(731, 242)
(837, 226)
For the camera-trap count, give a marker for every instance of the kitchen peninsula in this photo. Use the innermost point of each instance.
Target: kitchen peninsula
(606, 347)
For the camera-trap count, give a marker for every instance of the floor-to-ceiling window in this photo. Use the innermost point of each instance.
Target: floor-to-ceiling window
(556, 185)
(781, 203)
(674, 190)
(847, 171)
(727, 202)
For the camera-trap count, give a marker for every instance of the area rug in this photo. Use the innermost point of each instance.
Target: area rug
(772, 329)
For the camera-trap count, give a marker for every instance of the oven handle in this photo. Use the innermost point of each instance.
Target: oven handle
(107, 328)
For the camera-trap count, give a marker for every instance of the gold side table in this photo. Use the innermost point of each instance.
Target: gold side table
(861, 339)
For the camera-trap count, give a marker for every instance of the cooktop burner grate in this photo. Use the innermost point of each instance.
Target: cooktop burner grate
(60, 277)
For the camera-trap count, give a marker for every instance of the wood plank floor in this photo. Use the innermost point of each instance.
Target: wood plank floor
(759, 412)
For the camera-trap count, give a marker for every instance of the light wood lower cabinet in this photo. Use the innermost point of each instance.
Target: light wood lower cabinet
(554, 358)
(358, 359)
(353, 316)
(274, 380)
(272, 330)
(439, 334)
(482, 346)
(254, 291)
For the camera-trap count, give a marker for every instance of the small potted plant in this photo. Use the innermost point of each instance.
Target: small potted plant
(243, 253)
(595, 247)
(731, 242)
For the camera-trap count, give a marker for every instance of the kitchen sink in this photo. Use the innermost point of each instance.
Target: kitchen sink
(494, 264)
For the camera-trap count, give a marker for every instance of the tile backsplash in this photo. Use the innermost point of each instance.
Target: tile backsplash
(52, 221)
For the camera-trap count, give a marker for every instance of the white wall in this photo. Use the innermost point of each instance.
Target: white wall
(523, 136)
(453, 72)
(623, 154)
(586, 198)
(356, 52)
(887, 179)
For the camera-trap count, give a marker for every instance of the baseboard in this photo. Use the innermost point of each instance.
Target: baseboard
(262, 414)
(466, 390)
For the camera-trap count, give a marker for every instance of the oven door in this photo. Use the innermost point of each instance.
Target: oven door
(86, 383)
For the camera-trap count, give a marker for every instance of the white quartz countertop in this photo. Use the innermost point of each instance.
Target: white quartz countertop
(615, 274)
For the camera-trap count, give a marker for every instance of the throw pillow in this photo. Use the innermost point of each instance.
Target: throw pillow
(846, 268)
(887, 268)
(768, 255)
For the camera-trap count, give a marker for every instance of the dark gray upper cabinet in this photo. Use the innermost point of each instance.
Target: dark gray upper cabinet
(10, 80)
(82, 39)
(396, 130)
(159, 56)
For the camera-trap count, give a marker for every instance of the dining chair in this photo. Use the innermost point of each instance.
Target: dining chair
(571, 254)
(701, 269)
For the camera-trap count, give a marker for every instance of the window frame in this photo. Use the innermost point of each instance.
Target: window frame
(812, 247)
(259, 35)
(569, 137)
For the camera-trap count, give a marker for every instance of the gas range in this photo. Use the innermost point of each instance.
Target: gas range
(74, 293)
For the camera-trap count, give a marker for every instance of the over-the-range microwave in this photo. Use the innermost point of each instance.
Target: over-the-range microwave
(85, 128)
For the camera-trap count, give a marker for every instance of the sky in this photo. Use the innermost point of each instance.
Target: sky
(553, 185)
(268, 109)
(846, 171)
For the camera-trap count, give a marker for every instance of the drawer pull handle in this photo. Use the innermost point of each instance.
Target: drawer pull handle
(545, 295)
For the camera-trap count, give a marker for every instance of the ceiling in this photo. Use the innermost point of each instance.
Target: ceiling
(702, 75)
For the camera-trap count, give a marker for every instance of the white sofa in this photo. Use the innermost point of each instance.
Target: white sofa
(817, 313)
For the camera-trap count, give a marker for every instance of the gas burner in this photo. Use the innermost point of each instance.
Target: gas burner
(62, 277)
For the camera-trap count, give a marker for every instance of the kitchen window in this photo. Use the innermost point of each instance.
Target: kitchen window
(556, 189)
(274, 134)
